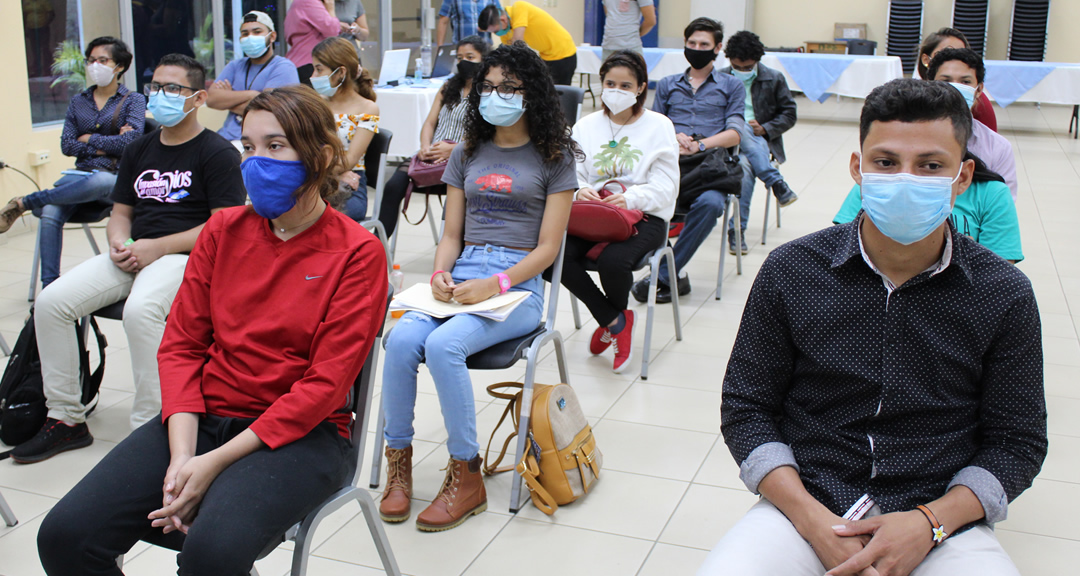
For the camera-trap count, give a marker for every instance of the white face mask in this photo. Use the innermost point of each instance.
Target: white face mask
(617, 100)
(98, 74)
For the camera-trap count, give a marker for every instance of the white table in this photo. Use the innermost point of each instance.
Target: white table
(863, 75)
(402, 110)
(1061, 86)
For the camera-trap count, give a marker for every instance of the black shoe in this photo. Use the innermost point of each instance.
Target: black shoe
(54, 438)
(731, 242)
(785, 196)
(640, 290)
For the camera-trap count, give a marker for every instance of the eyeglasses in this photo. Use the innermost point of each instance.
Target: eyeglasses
(505, 91)
(171, 90)
(103, 60)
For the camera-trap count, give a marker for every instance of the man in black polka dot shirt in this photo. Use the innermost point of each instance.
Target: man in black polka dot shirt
(885, 392)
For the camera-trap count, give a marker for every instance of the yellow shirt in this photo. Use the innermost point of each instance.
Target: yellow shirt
(542, 32)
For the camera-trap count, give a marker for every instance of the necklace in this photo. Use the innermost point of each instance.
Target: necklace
(614, 133)
(284, 230)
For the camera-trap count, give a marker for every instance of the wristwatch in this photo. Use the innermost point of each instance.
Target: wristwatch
(504, 282)
(700, 146)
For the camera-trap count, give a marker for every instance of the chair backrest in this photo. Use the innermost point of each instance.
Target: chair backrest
(361, 398)
(553, 288)
(375, 163)
(570, 98)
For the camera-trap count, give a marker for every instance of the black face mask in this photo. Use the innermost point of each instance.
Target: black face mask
(467, 69)
(699, 59)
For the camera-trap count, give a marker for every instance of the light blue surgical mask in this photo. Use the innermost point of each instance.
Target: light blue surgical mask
(254, 46)
(968, 92)
(271, 183)
(168, 110)
(321, 84)
(906, 207)
(506, 30)
(745, 76)
(501, 112)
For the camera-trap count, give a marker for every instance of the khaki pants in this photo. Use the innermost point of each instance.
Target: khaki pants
(87, 287)
(765, 543)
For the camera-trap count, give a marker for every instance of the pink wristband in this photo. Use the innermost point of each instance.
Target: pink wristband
(437, 272)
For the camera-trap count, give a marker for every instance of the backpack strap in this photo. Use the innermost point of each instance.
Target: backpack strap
(514, 409)
(92, 381)
(530, 470)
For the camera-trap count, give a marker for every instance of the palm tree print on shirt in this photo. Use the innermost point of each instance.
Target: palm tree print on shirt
(614, 162)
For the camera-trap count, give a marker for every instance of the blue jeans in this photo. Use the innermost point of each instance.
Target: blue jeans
(55, 206)
(444, 344)
(700, 220)
(755, 161)
(356, 205)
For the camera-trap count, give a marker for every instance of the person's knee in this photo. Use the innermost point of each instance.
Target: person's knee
(53, 304)
(405, 343)
(444, 347)
(142, 312)
(215, 552)
(63, 541)
(710, 203)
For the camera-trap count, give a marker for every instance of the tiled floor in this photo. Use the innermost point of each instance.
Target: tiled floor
(670, 488)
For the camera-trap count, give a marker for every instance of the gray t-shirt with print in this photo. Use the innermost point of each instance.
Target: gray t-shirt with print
(622, 24)
(506, 191)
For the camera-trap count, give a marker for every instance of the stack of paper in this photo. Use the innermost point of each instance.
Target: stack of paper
(418, 297)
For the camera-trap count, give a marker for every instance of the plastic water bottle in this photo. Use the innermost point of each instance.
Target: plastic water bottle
(418, 74)
(425, 56)
(397, 280)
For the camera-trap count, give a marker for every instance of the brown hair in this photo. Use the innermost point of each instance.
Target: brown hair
(310, 128)
(335, 53)
(633, 62)
(931, 43)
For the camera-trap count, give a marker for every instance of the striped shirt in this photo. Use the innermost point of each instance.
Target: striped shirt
(451, 122)
(83, 117)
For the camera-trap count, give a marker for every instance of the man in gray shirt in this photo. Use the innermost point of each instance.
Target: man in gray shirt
(624, 27)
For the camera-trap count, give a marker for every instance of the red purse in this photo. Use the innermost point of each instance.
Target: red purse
(423, 175)
(602, 222)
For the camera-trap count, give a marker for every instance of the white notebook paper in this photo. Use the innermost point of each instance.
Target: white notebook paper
(418, 297)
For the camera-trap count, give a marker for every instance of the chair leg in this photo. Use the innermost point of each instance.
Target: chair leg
(723, 252)
(35, 268)
(765, 225)
(254, 571)
(378, 534)
(670, 255)
(574, 309)
(4, 346)
(531, 360)
(654, 278)
(90, 237)
(431, 218)
(6, 513)
(738, 236)
(376, 456)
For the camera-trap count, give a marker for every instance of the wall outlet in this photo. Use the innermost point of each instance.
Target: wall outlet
(38, 158)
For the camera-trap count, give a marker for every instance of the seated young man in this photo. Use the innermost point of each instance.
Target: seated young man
(770, 111)
(243, 78)
(885, 395)
(169, 183)
(706, 107)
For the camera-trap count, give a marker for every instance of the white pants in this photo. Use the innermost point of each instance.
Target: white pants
(89, 286)
(764, 542)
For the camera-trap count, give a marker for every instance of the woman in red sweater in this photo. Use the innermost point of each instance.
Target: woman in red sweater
(280, 304)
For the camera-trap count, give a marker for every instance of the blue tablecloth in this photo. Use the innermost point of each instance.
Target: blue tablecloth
(652, 55)
(814, 73)
(1007, 81)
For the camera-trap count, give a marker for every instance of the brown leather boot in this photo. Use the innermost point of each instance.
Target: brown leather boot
(394, 506)
(461, 496)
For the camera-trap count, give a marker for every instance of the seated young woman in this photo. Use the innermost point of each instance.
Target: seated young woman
(350, 92)
(509, 190)
(935, 42)
(254, 431)
(637, 148)
(443, 129)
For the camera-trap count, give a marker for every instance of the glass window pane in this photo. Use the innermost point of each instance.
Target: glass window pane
(54, 57)
(234, 17)
(172, 26)
(370, 57)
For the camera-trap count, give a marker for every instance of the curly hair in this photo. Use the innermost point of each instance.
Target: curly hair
(548, 130)
(744, 45)
(965, 55)
(451, 91)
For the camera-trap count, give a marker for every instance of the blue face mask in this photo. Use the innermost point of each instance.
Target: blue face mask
(968, 92)
(271, 183)
(906, 207)
(500, 112)
(321, 84)
(168, 110)
(254, 46)
(745, 76)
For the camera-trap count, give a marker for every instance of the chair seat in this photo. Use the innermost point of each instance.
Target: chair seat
(114, 311)
(90, 212)
(504, 354)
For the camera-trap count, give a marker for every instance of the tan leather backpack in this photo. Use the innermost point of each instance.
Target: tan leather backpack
(561, 460)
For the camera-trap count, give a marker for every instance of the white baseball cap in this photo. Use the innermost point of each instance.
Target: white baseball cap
(260, 17)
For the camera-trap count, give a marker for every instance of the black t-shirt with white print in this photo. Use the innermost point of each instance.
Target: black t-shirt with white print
(173, 188)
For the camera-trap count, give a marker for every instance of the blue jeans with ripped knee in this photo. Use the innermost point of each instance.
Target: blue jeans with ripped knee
(444, 344)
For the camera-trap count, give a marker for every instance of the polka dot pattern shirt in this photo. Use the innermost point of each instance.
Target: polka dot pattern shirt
(896, 396)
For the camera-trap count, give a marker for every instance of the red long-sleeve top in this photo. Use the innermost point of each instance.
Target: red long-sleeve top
(270, 329)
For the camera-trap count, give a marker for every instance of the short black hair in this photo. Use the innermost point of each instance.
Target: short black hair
(196, 72)
(965, 55)
(488, 16)
(703, 24)
(118, 51)
(744, 45)
(910, 100)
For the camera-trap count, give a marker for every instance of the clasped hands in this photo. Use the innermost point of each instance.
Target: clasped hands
(887, 545)
(186, 482)
(437, 152)
(137, 255)
(473, 291)
(617, 200)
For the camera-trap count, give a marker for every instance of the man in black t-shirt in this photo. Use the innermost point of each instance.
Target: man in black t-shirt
(169, 183)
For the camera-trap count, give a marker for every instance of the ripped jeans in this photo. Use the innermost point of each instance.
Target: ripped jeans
(444, 344)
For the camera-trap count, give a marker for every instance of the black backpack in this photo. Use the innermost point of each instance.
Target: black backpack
(22, 398)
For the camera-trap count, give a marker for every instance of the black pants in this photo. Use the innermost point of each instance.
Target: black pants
(616, 268)
(251, 503)
(305, 72)
(393, 194)
(562, 71)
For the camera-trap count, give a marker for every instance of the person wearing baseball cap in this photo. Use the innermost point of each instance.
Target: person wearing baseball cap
(257, 70)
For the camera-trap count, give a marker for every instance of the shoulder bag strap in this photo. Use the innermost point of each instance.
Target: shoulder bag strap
(512, 408)
(542, 499)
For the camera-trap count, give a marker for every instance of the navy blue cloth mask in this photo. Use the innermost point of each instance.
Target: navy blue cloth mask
(271, 184)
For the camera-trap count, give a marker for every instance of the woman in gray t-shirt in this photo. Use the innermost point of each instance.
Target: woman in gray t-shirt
(509, 190)
(625, 22)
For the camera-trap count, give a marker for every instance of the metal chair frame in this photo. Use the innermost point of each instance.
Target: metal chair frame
(6, 513)
(375, 159)
(85, 220)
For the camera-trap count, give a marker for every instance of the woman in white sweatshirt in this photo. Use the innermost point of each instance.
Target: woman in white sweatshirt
(637, 148)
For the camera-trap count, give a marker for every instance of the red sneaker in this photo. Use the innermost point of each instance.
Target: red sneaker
(601, 339)
(621, 343)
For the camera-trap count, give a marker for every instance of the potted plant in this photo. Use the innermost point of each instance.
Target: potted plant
(69, 65)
